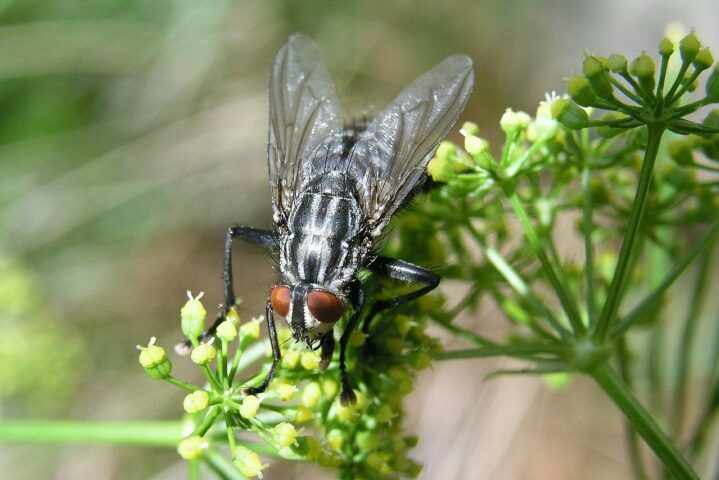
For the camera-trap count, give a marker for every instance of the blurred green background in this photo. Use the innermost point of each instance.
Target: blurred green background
(132, 133)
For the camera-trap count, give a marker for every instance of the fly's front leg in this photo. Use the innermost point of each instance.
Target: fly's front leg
(255, 236)
(276, 356)
(327, 345)
(347, 396)
(404, 272)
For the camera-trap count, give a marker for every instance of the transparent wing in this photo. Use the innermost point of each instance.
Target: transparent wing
(304, 112)
(391, 156)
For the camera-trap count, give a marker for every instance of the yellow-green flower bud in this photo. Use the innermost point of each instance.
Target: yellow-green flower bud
(250, 331)
(196, 401)
(203, 353)
(597, 76)
(284, 434)
(357, 338)
(617, 63)
(569, 114)
(290, 358)
(470, 128)
(303, 415)
(329, 388)
(581, 92)
(689, 47)
(367, 441)
(309, 360)
(377, 462)
(192, 316)
(311, 395)
(248, 462)
(384, 414)
(233, 316)
(154, 360)
(335, 439)
(226, 331)
(394, 346)
(249, 407)
(512, 121)
(308, 447)
(403, 324)
(420, 360)
(475, 145)
(666, 47)
(703, 59)
(643, 66)
(284, 390)
(192, 447)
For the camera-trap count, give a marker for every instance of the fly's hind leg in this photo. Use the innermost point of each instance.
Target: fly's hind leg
(347, 395)
(255, 236)
(269, 316)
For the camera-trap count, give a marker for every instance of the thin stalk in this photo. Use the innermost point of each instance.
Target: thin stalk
(611, 305)
(217, 462)
(158, 434)
(207, 421)
(181, 383)
(643, 423)
(519, 351)
(560, 287)
(669, 99)
(662, 78)
(463, 333)
(193, 470)
(520, 286)
(588, 250)
(632, 439)
(650, 300)
(687, 345)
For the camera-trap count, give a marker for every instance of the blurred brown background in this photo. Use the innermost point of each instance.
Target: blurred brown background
(133, 132)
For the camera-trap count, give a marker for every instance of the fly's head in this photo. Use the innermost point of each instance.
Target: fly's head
(310, 310)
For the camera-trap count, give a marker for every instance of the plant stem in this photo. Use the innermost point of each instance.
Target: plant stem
(643, 423)
(611, 305)
(217, 462)
(588, 251)
(519, 351)
(687, 344)
(679, 268)
(635, 452)
(560, 287)
(160, 434)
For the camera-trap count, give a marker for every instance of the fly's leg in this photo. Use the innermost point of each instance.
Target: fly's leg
(404, 272)
(327, 345)
(347, 396)
(255, 236)
(269, 315)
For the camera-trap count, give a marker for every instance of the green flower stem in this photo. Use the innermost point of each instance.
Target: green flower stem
(646, 97)
(193, 470)
(655, 296)
(685, 86)
(517, 283)
(687, 343)
(463, 333)
(662, 78)
(158, 434)
(244, 359)
(222, 364)
(519, 351)
(181, 383)
(211, 378)
(230, 433)
(207, 421)
(629, 94)
(677, 82)
(611, 305)
(217, 462)
(588, 225)
(559, 286)
(635, 452)
(643, 423)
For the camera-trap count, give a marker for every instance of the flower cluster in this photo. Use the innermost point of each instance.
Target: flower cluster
(300, 416)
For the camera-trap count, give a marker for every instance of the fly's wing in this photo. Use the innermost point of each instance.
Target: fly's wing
(391, 155)
(304, 113)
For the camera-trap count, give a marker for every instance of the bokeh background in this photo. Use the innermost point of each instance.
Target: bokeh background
(133, 132)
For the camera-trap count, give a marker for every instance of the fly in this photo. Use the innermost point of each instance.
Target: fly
(334, 190)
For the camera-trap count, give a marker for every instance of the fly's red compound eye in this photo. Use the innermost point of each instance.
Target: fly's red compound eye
(324, 306)
(280, 300)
